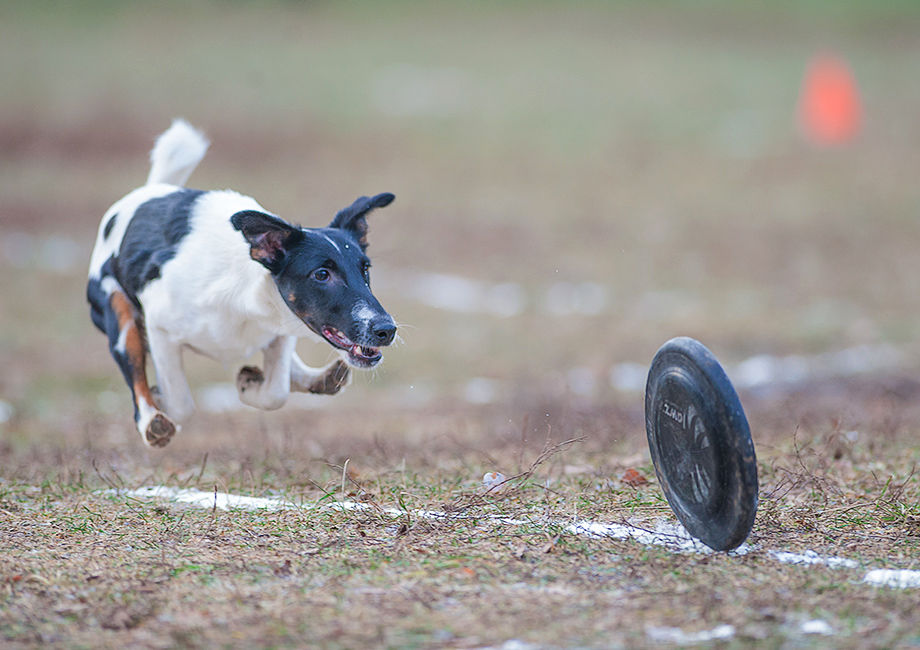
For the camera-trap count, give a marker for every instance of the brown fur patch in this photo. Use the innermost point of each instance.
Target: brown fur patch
(135, 348)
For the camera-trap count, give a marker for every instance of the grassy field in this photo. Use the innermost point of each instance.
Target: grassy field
(575, 186)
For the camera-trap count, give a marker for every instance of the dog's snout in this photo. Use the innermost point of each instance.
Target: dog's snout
(384, 330)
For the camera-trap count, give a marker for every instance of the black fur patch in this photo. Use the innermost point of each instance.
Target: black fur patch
(152, 237)
(108, 226)
(353, 219)
(97, 298)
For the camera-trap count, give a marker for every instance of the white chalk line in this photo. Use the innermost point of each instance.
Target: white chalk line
(668, 534)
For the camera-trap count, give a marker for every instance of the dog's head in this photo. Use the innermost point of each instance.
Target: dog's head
(323, 274)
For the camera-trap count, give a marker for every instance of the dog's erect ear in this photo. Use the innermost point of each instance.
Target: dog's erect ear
(269, 237)
(353, 218)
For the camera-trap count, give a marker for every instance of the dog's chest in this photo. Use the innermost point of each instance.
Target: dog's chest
(224, 327)
(226, 339)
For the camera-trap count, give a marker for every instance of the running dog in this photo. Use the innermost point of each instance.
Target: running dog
(214, 272)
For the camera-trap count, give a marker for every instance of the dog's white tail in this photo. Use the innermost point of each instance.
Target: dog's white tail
(176, 154)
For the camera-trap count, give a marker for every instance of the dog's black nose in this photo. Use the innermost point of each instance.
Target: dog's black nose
(384, 330)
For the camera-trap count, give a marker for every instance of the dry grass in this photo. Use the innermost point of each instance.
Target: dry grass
(88, 567)
(652, 152)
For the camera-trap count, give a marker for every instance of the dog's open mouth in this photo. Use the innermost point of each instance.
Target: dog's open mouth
(360, 355)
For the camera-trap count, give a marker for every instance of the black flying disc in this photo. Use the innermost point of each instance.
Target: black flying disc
(701, 444)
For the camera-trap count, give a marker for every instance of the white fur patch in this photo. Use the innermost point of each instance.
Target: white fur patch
(123, 337)
(176, 154)
(109, 285)
(363, 313)
(333, 243)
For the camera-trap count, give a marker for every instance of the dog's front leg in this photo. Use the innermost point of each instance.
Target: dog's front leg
(269, 389)
(328, 380)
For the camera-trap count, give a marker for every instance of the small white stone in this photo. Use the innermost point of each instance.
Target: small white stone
(493, 481)
(817, 626)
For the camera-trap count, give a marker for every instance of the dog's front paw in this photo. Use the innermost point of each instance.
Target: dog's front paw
(249, 378)
(332, 381)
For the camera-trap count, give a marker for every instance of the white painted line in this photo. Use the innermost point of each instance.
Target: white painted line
(219, 500)
(668, 534)
(677, 636)
(900, 578)
(810, 557)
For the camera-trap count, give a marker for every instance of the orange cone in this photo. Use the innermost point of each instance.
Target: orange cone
(829, 108)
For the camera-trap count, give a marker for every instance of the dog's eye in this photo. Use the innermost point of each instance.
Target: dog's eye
(321, 275)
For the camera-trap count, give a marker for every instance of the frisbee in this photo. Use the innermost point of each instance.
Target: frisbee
(700, 444)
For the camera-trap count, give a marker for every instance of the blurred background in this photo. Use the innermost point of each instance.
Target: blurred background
(576, 183)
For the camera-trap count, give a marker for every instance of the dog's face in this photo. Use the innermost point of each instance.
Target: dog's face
(323, 276)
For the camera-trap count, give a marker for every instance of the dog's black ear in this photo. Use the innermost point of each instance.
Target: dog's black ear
(269, 237)
(353, 218)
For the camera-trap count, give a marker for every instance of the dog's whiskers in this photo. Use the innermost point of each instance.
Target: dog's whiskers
(397, 339)
(404, 325)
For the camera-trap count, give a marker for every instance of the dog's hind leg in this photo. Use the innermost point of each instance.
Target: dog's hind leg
(269, 390)
(124, 326)
(328, 380)
(175, 394)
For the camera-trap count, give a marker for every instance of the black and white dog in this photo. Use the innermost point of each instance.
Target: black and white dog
(212, 271)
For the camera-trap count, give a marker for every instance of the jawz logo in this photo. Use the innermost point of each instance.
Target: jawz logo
(673, 412)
